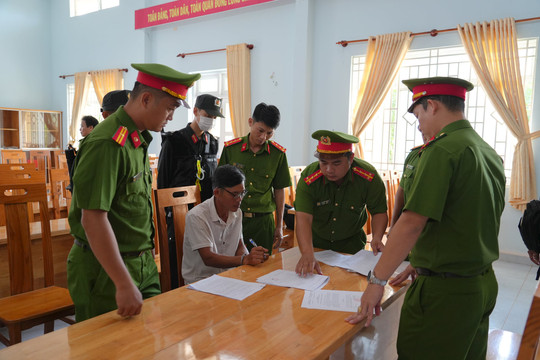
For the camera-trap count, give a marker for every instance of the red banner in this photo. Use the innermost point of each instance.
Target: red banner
(186, 9)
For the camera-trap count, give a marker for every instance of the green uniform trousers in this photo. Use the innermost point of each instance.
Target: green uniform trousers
(93, 291)
(260, 229)
(447, 318)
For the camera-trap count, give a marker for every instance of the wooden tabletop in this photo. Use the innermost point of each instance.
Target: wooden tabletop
(187, 324)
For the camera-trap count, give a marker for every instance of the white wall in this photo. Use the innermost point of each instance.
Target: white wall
(294, 40)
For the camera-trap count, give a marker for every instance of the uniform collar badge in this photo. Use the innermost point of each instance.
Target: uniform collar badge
(135, 139)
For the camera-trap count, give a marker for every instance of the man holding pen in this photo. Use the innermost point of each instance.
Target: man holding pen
(213, 237)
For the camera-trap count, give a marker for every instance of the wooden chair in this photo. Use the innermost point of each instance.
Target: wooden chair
(294, 172)
(42, 160)
(60, 195)
(13, 156)
(530, 341)
(154, 168)
(23, 173)
(178, 199)
(58, 159)
(28, 306)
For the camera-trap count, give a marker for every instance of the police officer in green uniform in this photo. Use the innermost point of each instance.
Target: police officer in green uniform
(331, 201)
(451, 222)
(265, 166)
(111, 264)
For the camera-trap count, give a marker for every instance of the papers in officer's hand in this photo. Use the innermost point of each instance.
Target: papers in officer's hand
(332, 300)
(361, 262)
(224, 286)
(288, 278)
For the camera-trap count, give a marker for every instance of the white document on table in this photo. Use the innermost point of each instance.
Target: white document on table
(335, 300)
(332, 258)
(361, 262)
(288, 278)
(227, 287)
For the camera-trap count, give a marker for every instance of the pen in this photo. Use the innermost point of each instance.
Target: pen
(252, 242)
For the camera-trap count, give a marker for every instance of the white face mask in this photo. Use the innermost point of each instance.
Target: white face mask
(205, 123)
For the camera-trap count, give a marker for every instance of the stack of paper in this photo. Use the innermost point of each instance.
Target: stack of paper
(361, 262)
(336, 300)
(224, 286)
(288, 278)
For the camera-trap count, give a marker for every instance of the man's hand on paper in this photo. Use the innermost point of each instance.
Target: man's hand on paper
(307, 265)
(371, 301)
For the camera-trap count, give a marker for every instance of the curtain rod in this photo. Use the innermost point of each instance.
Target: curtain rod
(183, 55)
(65, 76)
(433, 33)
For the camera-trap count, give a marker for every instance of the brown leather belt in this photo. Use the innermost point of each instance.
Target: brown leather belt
(427, 272)
(123, 254)
(253, 215)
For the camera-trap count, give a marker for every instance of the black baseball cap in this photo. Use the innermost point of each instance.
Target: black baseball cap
(113, 99)
(210, 104)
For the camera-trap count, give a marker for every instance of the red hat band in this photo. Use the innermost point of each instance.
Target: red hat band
(327, 147)
(438, 89)
(170, 87)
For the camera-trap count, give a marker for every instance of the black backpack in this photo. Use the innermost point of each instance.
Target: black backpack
(529, 227)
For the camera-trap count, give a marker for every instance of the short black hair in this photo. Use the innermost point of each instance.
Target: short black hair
(268, 114)
(227, 176)
(89, 120)
(452, 103)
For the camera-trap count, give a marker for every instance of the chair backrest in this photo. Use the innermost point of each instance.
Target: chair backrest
(60, 195)
(57, 158)
(178, 200)
(16, 198)
(42, 160)
(294, 172)
(13, 156)
(154, 168)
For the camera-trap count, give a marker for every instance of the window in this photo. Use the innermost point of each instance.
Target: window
(215, 83)
(393, 131)
(82, 7)
(90, 106)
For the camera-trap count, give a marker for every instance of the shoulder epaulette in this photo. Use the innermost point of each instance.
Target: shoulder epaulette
(363, 173)
(232, 142)
(311, 178)
(417, 147)
(432, 140)
(120, 136)
(277, 146)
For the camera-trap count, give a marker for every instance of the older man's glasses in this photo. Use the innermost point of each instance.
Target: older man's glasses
(239, 195)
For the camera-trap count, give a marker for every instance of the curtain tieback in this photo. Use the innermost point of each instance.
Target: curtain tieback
(533, 135)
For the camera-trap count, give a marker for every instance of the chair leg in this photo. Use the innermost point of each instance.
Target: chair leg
(48, 327)
(14, 333)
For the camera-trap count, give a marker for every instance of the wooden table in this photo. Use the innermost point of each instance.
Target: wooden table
(187, 324)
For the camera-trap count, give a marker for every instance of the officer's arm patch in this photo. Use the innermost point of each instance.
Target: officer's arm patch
(363, 173)
(232, 142)
(120, 136)
(277, 146)
(311, 178)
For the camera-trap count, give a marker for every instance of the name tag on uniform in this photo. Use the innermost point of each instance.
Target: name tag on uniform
(322, 203)
(410, 167)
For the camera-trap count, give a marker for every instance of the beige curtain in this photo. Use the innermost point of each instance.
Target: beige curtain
(82, 84)
(239, 82)
(384, 57)
(107, 80)
(492, 48)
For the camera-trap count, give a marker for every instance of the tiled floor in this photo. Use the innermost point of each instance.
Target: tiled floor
(517, 285)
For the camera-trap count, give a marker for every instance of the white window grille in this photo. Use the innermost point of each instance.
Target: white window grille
(391, 134)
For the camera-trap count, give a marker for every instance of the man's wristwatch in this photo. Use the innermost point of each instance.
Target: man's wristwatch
(372, 279)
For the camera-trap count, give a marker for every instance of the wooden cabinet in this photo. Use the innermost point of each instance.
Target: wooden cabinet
(30, 129)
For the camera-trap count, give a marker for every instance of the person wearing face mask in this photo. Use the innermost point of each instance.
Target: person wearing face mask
(189, 157)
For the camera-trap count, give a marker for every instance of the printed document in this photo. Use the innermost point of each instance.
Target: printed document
(336, 300)
(227, 287)
(288, 278)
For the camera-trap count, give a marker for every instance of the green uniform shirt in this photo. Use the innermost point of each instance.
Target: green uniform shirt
(116, 179)
(339, 212)
(409, 168)
(265, 170)
(459, 185)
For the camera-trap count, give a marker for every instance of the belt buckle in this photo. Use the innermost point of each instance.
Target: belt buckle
(249, 215)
